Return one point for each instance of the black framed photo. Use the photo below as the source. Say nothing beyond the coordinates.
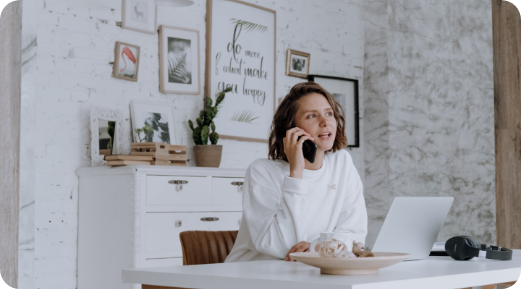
(345, 92)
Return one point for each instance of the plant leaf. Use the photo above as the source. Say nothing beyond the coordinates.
(249, 26)
(246, 116)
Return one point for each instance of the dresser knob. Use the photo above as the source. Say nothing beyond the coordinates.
(178, 223)
(209, 219)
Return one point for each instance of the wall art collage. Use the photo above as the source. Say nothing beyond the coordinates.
(240, 58)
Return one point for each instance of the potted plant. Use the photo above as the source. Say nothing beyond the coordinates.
(207, 155)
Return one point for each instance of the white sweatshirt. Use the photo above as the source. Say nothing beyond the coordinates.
(279, 211)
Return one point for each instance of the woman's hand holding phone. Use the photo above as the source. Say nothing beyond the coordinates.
(293, 150)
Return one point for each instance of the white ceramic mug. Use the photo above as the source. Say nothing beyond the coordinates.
(324, 236)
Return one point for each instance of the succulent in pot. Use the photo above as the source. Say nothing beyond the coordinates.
(207, 155)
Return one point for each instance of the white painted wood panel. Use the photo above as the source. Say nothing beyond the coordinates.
(226, 191)
(10, 93)
(163, 229)
(195, 192)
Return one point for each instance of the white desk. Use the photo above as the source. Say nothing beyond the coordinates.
(435, 272)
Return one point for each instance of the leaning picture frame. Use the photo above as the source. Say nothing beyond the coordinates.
(241, 55)
(113, 115)
(126, 61)
(159, 115)
(297, 63)
(179, 60)
(345, 92)
(139, 15)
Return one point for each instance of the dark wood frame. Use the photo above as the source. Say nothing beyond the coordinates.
(208, 65)
(356, 144)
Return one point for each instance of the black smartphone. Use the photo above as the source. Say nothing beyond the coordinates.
(309, 149)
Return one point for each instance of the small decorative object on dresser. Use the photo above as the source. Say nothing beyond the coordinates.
(158, 115)
(179, 60)
(106, 130)
(207, 155)
(139, 15)
(126, 61)
(297, 63)
(131, 217)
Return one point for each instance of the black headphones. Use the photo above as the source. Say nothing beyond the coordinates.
(465, 248)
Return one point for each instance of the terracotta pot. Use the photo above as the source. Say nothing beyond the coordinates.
(208, 155)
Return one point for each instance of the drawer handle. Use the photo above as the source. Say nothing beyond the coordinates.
(178, 223)
(179, 184)
(239, 186)
(209, 219)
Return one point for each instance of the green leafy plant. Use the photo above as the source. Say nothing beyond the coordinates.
(244, 116)
(249, 26)
(201, 133)
(147, 131)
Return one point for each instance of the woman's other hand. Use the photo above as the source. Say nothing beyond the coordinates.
(293, 151)
(300, 247)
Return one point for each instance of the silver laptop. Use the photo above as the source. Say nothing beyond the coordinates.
(412, 225)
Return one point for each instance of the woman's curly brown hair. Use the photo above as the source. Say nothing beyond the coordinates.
(284, 118)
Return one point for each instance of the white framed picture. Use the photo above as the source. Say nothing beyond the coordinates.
(126, 61)
(179, 60)
(297, 63)
(100, 121)
(139, 15)
(159, 115)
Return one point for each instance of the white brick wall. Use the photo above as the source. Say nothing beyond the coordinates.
(75, 44)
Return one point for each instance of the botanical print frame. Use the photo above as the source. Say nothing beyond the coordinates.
(159, 114)
(241, 54)
(345, 91)
(179, 60)
(139, 15)
(126, 61)
(97, 113)
(297, 63)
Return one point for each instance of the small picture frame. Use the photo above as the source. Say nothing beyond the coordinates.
(179, 60)
(99, 116)
(159, 115)
(139, 15)
(126, 61)
(297, 63)
(345, 92)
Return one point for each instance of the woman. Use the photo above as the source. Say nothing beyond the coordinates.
(288, 201)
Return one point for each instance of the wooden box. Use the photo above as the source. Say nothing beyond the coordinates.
(157, 150)
(128, 160)
(177, 155)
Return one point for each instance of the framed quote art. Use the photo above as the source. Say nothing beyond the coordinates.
(179, 60)
(139, 15)
(240, 54)
(345, 92)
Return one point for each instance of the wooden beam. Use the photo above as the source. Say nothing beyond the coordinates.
(10, 102)
(506, 24)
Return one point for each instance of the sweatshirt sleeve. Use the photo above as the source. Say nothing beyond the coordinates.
(275, 216)
(353, 217)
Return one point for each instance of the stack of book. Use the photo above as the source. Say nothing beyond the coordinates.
(150, 153)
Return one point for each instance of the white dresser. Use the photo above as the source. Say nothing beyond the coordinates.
(131, 217)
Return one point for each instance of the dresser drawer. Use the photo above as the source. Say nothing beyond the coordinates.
(178, 190)
(162, 229)
(227, 191)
